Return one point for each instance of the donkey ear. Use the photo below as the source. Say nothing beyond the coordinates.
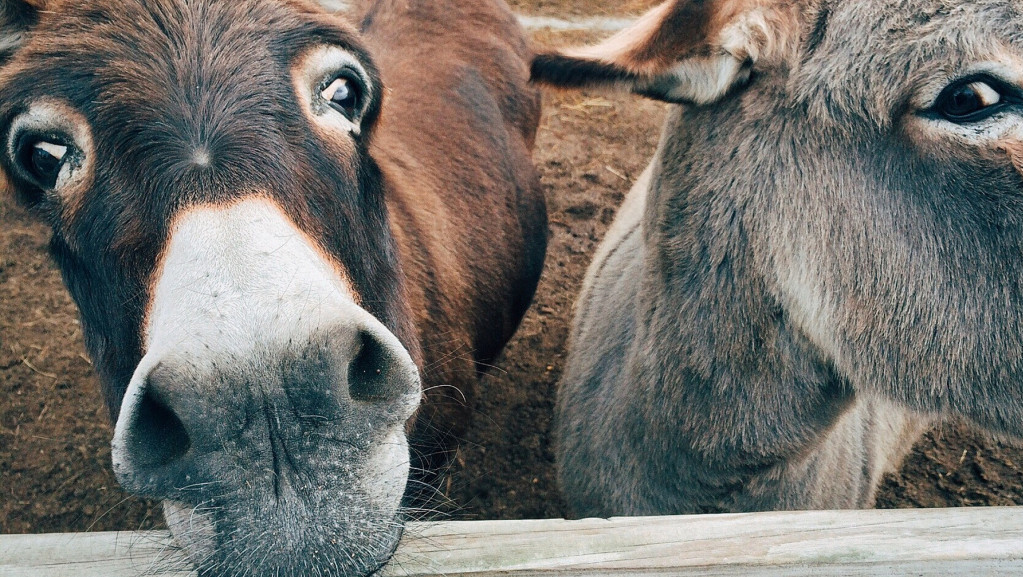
(681, 51)
(17, 17)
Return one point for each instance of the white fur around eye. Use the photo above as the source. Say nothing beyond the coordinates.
(315, 76)
(49, 116)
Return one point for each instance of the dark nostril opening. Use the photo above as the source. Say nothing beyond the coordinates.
(371, 375)
(159, 437)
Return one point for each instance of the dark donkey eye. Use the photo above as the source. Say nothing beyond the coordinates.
(41, 160)
(969, 101)
(344, 95)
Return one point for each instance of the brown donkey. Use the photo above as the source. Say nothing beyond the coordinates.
(294, 246)
(825, 254)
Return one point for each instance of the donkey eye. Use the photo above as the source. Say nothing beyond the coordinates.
(42, 161)
(345, 95)
(969, 101)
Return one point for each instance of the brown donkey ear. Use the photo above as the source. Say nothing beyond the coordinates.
(17, 17)
(681, 51)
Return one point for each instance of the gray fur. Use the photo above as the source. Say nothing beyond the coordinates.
(816, 272)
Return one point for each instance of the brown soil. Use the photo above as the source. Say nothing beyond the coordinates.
(54, 433)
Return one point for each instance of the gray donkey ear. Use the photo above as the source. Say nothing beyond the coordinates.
(17, 17)
(681, 51)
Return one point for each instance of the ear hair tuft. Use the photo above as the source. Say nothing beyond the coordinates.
(694, 51)
(555, 69)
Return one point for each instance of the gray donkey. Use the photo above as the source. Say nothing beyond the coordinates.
(824, 256)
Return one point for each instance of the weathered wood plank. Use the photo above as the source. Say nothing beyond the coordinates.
(975, 542)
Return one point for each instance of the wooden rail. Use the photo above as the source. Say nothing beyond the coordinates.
(936, 542)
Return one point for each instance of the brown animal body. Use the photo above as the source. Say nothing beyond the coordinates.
(294, 246)
(823, 258)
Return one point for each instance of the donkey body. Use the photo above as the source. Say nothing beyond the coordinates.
(822, 258)
(294, 246)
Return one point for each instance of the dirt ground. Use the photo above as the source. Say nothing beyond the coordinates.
(54, 434)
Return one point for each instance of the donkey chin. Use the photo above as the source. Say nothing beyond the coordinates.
(279, 487)
(330, 510)
(329, 531)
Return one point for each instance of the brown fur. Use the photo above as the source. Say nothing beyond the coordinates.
(465, 302)
(432, 214)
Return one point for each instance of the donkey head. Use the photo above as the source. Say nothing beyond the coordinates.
(856, 165)
(216, 215)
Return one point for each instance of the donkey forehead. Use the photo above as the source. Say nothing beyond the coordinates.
(870, 56)
(153, 29)
(908, 24)
(186, 53)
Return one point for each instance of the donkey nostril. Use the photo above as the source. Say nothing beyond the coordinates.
(371, 375)
(159, 437)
